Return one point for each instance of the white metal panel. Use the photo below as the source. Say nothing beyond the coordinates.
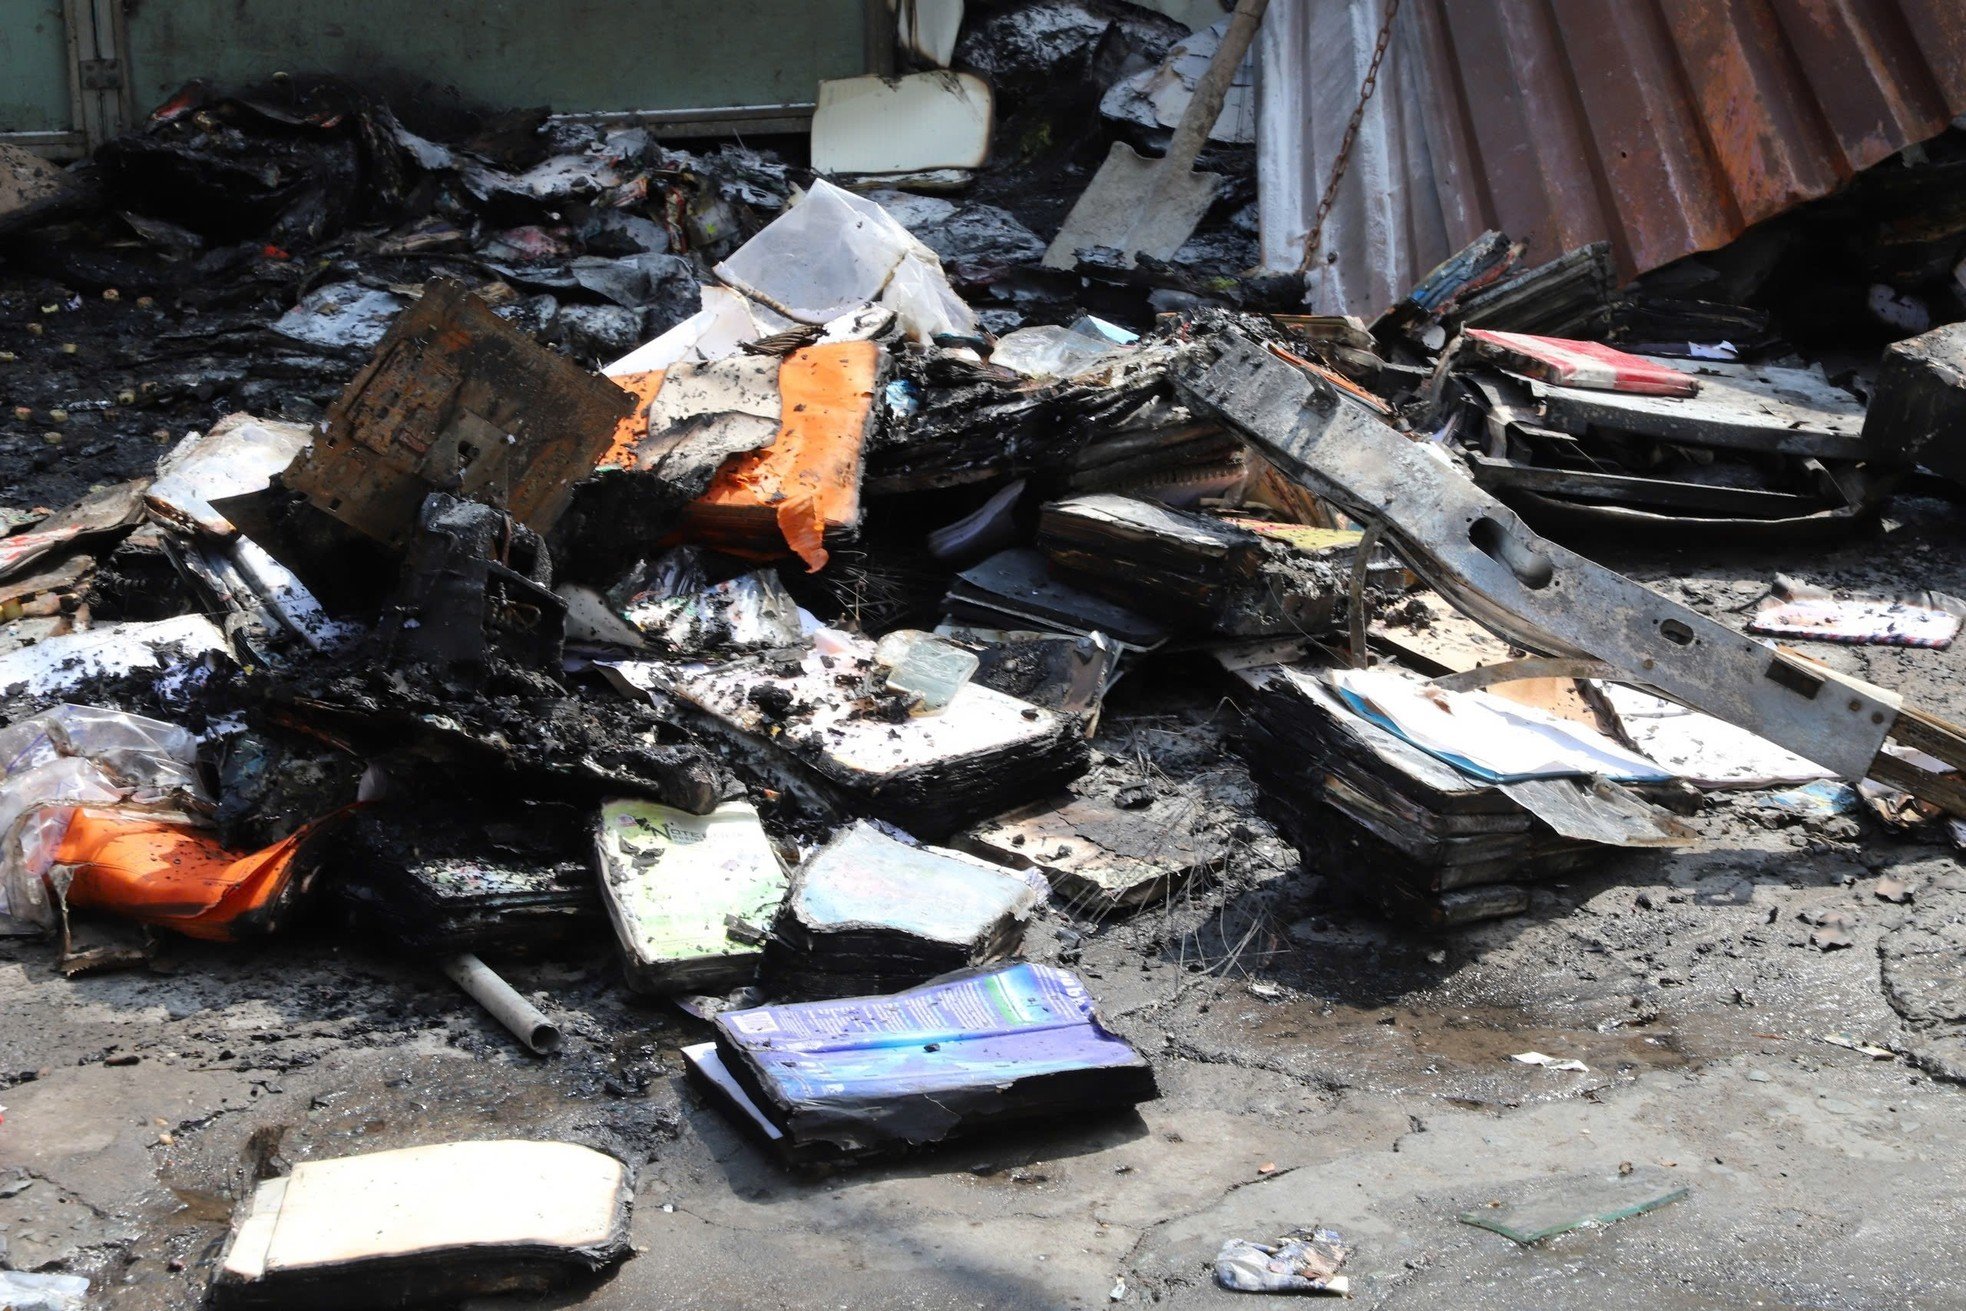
(1386, 226)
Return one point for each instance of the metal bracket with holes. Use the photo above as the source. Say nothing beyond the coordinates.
(1541, 596)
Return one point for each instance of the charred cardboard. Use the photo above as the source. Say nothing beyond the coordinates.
(238, 455)
(426, 1224)
(972, 1051)
(108, 510)
(458, 400)
(691, 896)
(549, 746)
(869, 913)
(868, 126)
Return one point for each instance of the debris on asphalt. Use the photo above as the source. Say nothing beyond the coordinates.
(1303, 1261)
(1848, 1043)
(22, 1290)
(1576, 1204)
(521, 1018)
(783, 618)
(1797, 610)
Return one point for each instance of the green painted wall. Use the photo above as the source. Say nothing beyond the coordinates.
(575, 55)
(33, 67)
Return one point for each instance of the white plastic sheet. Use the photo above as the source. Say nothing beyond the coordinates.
(830, 255)
(240, 454)
(1053, 352)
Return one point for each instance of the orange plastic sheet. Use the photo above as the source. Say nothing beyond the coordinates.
(173, 876)
(629, 432)
(807, 482)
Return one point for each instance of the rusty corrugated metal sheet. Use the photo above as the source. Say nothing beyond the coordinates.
(1663, 126)
(1668, 126)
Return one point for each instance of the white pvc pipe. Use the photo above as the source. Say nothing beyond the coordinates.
(525, 1021)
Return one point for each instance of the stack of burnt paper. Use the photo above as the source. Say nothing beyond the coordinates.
(1573, 432)
(869, 913)
(1191, 571)
(467, 878)
(1439, 805)
(825, 1080)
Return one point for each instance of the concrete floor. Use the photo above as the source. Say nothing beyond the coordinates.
(1315, 1068)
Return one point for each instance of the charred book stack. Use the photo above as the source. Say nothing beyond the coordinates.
(1403, 830)
(463, 878)
(821, 1081)
(870, 914)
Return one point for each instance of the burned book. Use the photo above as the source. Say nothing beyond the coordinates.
(869, 913)
(691, 896)
(1190, 571)
(1103, 858)
(1162, 452)
(1585, 456)
(801, 491)
(1422, 836)
(1568, 296)
(967, 423)
(1744, 407)
(824, 1080)
(1018, 588)
(456, 877)
(823, 726)
(438, 1223)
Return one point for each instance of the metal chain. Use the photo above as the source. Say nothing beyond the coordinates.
(1371, 84)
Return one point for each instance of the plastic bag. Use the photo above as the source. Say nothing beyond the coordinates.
(751, 613)
(1306, 1261)
(833, 252)
(1052, 352)
(75, 756)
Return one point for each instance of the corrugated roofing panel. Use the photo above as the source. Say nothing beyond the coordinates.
(1663, 126)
